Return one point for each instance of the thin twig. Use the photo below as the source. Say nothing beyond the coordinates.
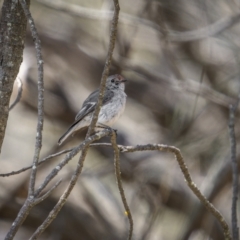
(46, 159)
(119, 183)
(44, 196)
(38, 144)
(68, 157)
(39, 163)
(32, 195)
(231, 126)
(52, 215)
(19, 94)
(30, 202)
(187, 176)
(106, 69)
(186, 173)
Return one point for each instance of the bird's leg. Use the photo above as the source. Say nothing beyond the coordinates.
(101, 125)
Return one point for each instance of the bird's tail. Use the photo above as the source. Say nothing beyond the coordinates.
(67, 134)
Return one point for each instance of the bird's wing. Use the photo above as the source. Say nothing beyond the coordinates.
(89, 104)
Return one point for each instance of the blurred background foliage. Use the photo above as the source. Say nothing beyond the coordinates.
(182, 62)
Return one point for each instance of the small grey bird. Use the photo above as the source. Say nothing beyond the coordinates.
(113, 105)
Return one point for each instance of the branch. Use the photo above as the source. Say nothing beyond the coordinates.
(106, 67)
(186, 174)
(69, 156)
(39, 163)
(232, 111)
(12, 36)
(52, 215)
(30, 201)
(119, 183)
(33, 195)
(38, 144)
(19, 94)
(47, 194)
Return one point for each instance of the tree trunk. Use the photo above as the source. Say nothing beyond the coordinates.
(12, 34)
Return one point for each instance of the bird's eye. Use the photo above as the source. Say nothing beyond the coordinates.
(112, 80)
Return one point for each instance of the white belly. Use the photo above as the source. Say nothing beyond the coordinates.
(110, 113)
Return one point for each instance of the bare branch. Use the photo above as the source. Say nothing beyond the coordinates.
(84, 147)
(19, 94)
(69, 156)
(22, 214)
(187, 176)
(39, 163)
(106, 67)
(43, 197)
(52, 215)
(38, 144)
(30, 202)
(119, 183)
(231, 126)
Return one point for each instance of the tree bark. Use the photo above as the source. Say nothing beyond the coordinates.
(12, 34)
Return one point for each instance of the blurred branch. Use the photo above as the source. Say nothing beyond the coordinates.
(188, 85)
(211, 30)
(231, 125)
(119, 183)
(197, 94)
(79, 11)
(19, 94)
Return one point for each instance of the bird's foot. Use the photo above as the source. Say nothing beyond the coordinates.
(100, 125)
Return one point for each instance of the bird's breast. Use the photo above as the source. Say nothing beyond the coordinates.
(113, 109)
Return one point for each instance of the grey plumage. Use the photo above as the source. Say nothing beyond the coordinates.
(112, 107)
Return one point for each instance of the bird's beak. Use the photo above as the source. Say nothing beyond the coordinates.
(124, 80)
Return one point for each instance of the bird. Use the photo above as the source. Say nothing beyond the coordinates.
(113, 105)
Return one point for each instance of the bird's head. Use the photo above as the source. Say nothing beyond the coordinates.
(116, 81)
